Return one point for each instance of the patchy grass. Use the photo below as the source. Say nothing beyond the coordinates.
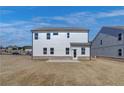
(22, 70)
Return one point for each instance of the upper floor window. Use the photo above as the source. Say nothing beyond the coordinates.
(82, 51)
(100, 42)
(68, 35)
(44, 50)
(56, 33)
(67, 51)
(36, 36)
(51, 50)
(119, 52)
(120, 36)
(48, 35)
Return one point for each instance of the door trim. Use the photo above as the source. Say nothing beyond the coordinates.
(74, 53)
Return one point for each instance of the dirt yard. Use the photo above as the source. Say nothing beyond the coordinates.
(22, 70)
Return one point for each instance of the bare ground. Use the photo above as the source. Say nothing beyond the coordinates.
(22, 70)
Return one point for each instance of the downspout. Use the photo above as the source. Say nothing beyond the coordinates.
(90, 50)
(32, 44)
(89, 45)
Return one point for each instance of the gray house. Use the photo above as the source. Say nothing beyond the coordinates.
(109, 42)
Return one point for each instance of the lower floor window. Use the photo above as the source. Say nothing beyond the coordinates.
(119, 52)
(67, 51)
(51, 50)
(44, 50)
(82, 51)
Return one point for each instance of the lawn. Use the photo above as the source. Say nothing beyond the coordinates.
(22, 70)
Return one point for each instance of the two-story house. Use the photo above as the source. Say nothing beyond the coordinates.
(60, 43)
(109, 42)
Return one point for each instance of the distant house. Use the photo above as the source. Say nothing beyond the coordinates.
(109, 42)
(2, 50)
(27, 49)
(10, 49)
(14, 50)
(67, 43)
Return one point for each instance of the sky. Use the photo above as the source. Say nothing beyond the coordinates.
(16, 22)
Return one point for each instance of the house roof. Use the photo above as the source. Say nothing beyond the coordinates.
(12, 46)
(27, 47)
(116, 27)
(80, 44)
(62, 29)
(111, 27)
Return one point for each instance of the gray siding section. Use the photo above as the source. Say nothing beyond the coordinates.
(108, 51)
(110, 43)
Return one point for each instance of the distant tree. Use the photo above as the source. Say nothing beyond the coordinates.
(19, 48)
(1, 47)
(23, 48)
(13, 48)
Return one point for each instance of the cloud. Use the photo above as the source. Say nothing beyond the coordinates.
(15, 32)
(19, 31)
(74, 19)
(3, 12)
(111, 13)
(87, 17)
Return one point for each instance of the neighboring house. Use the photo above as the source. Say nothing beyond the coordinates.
(27, 49)
(14, 50)
(18, 50)
(2, 50)
(109, 42)
(59, 43)
(9, 49)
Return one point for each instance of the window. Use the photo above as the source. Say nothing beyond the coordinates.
(68, 35)
(100, 42)
(67, 51)
(14, 48)
(119, 36)
(119, 52)
(44, 50)
(48, 35)
(36, 36)
(51, 50)
(82, 51)
(55, 33)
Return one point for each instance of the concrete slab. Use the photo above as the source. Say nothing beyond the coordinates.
(63, 60)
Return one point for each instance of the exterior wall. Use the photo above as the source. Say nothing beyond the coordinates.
(109, 37)
(9, 50)
(87, 51)
(110, 43)
(52, 57)
(108, 51)
(59, 43)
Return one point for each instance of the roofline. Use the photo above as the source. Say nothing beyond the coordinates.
(97, 34)
(114, 27)
(88, 44)
(110, 27)
(60, 29)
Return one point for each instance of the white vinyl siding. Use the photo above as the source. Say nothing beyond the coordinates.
(59, 43)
